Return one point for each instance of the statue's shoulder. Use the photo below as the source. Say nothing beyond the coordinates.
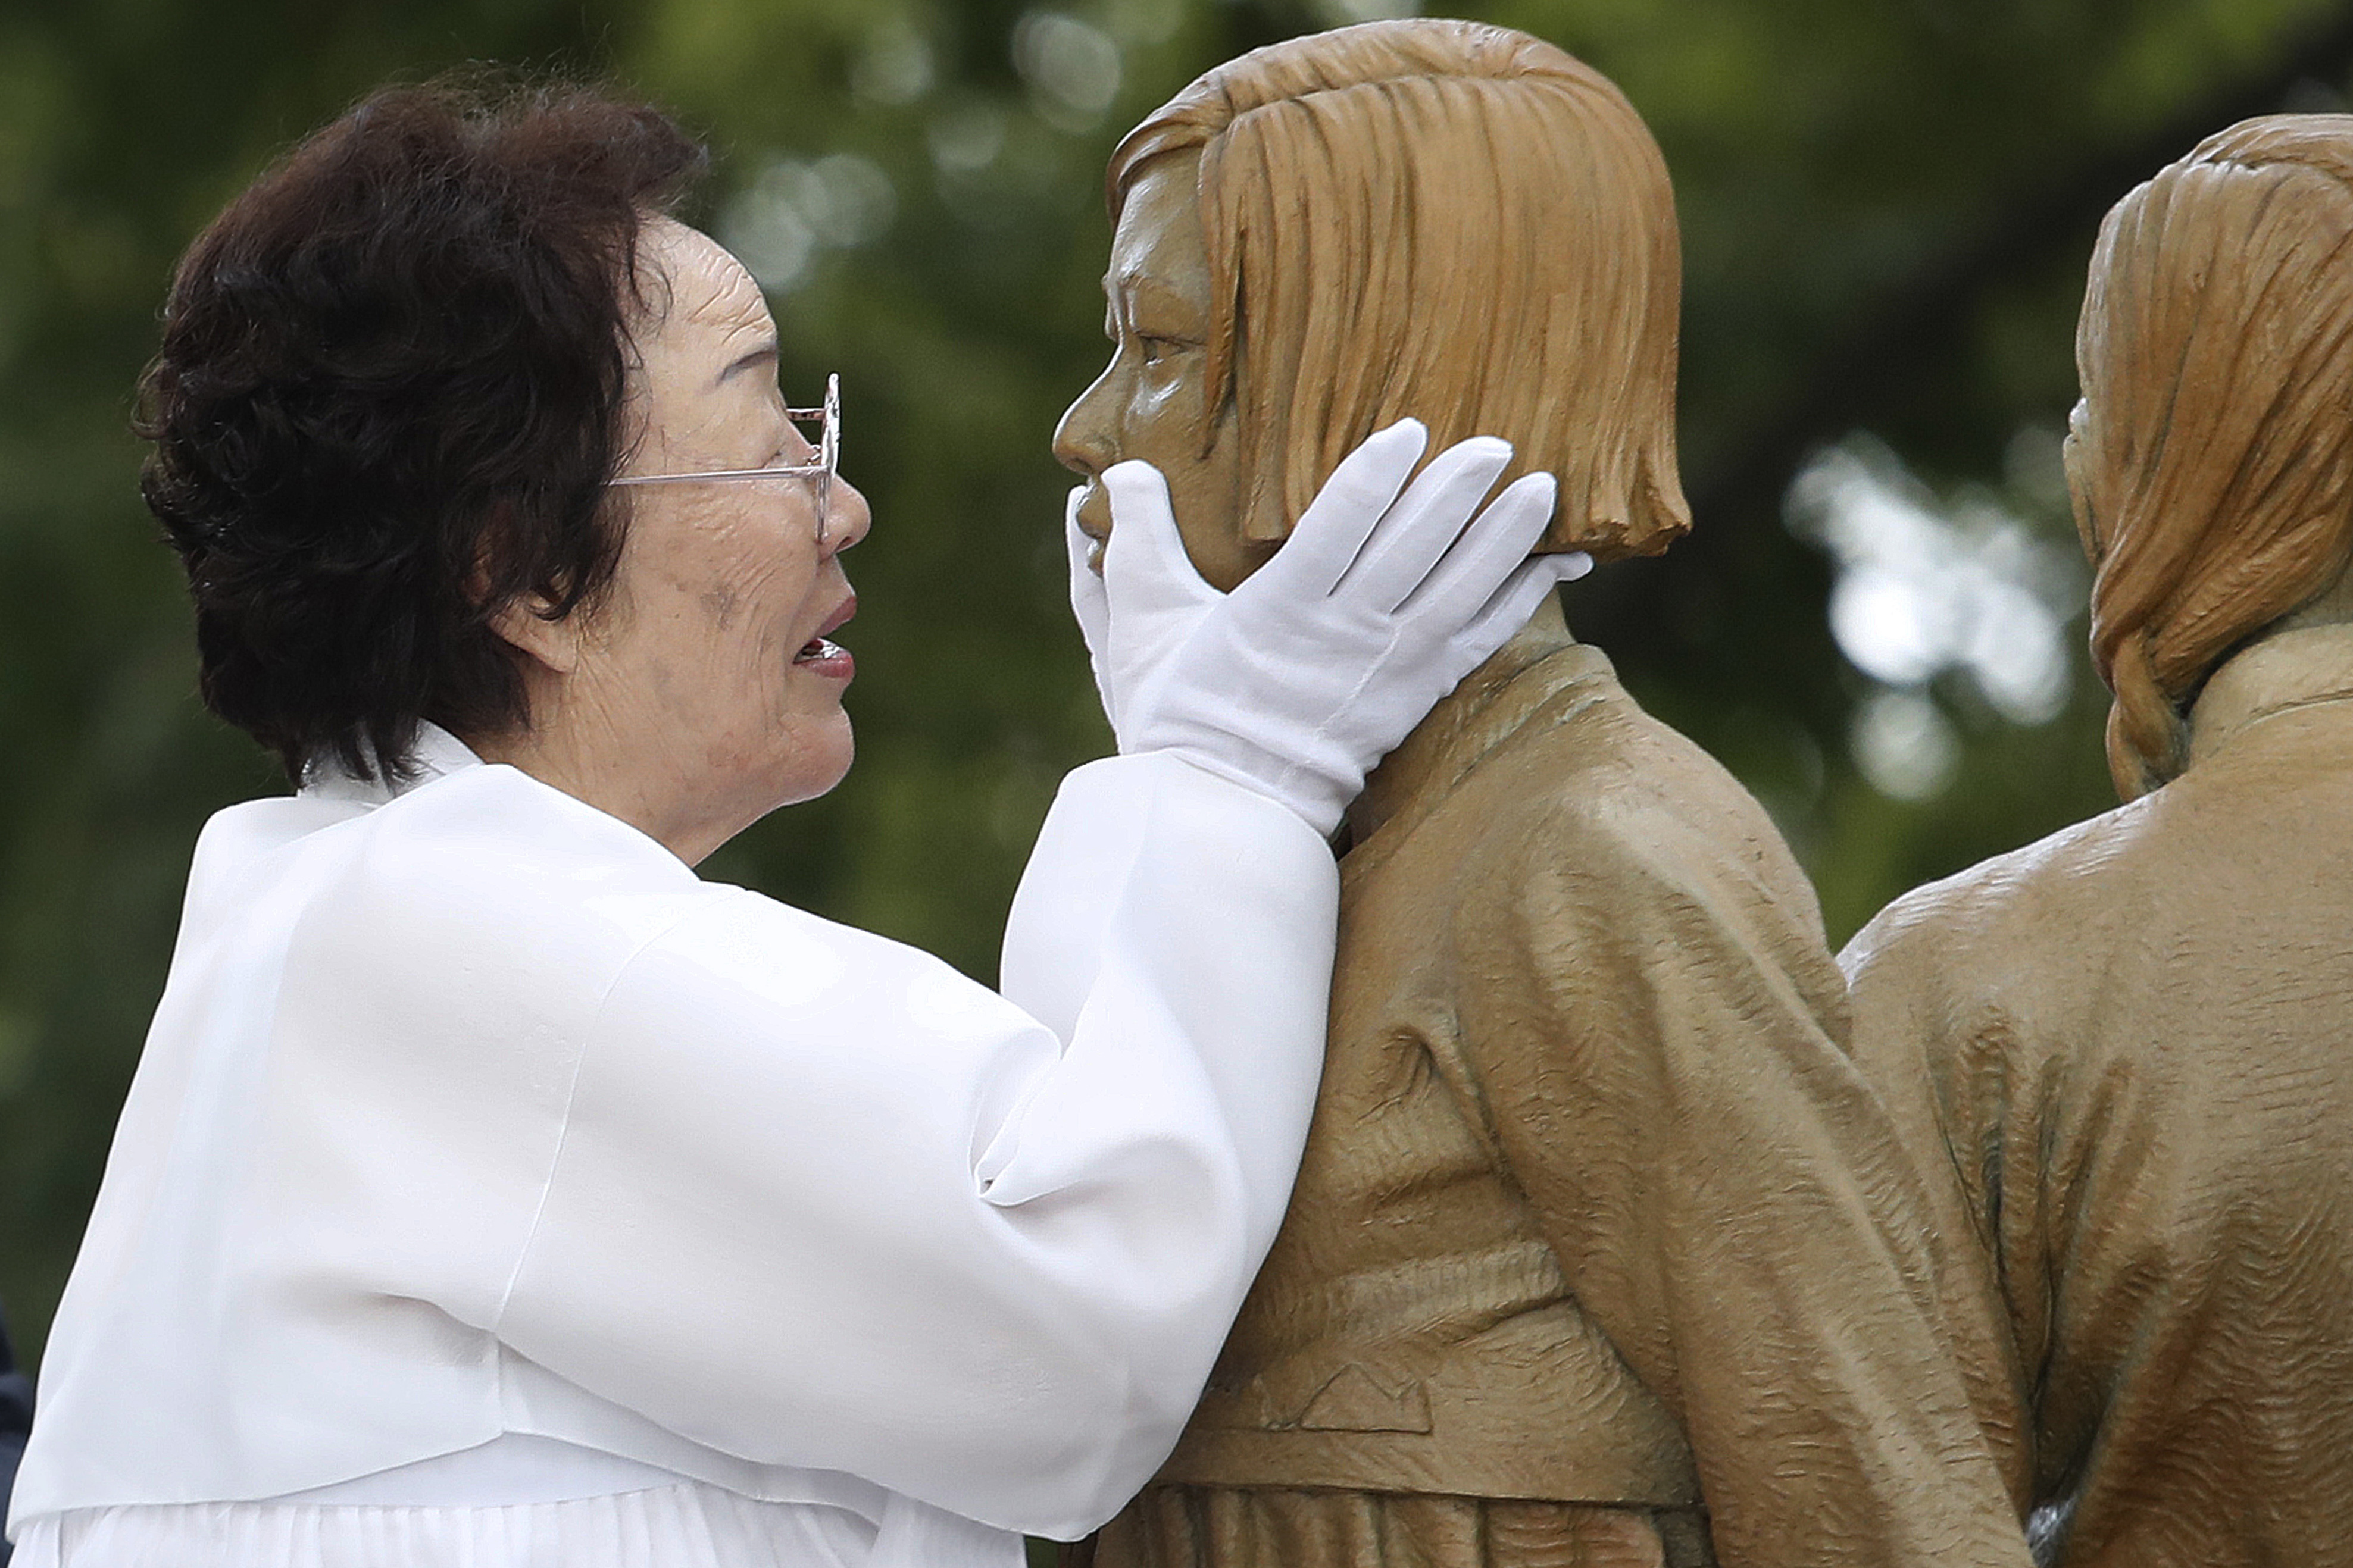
(1596, 827)
(2077, 879)
(1607, 857)
(1603, 783)
(1989, 975)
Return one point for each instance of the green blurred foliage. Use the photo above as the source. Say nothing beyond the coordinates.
(1887, 203)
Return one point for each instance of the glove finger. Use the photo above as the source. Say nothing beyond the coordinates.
(1425, 522)
(1508, 609)
(1089, 605)
(1334, 528)
(1147, 572)
(1089, 601)
(1489, 550)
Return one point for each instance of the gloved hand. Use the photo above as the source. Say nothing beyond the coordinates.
(1158, 609)
(1305, 675)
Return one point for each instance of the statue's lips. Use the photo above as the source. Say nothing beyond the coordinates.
(1094, 521)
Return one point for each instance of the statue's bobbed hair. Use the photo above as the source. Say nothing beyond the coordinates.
(1442, 219)
(2212, 457)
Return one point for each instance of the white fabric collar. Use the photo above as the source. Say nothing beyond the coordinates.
(435, 754)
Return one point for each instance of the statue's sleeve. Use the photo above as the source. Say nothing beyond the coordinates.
(1655, 1034)
(2127, 1253)
(1953, 1078)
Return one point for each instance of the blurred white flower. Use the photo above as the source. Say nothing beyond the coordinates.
(769, 235)
(795, 208)
(849, 200)
(895, 66)
(1924, 588)
(1905, 744)
(966, 137)
(1072, 68)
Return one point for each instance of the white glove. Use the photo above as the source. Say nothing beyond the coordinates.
(1305, 675)
(1159, 607)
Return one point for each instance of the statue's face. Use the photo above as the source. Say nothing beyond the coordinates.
(1151, 401)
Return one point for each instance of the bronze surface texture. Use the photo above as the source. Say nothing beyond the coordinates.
(1596, 1219)
(1602, 1251)
(2121, 1054)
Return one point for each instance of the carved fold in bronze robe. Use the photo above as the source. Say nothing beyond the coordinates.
(2126, 1056)
(1601, 1247)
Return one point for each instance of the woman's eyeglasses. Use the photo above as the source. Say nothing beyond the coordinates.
(828, 420)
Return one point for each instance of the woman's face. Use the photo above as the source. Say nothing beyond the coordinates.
(1151, 402)
(705, 669)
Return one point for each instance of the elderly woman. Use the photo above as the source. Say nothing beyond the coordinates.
(495, 1190)
(2121, 1053)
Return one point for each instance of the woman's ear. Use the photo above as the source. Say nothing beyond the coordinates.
(524, 624)
(524, 621)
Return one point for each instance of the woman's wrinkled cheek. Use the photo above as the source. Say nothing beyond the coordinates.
(720, 604)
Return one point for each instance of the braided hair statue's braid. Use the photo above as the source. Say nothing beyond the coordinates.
(2212, 458)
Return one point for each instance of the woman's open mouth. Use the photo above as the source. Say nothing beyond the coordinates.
(818, 649)
(824, 654)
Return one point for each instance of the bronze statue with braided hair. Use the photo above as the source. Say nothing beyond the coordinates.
(1602, 1251)
(2122, 1052)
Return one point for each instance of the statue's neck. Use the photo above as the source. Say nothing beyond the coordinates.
(2300, 667)
(2305, 657)
(1406, 772)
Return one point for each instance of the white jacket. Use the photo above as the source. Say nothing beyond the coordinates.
(472, 1111)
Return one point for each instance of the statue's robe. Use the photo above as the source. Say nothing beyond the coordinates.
(1602, 1251)
(2125, 1054)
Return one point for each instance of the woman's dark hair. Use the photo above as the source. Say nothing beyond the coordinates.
(388, 402)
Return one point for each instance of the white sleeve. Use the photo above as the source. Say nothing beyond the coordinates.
(822, 1202)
